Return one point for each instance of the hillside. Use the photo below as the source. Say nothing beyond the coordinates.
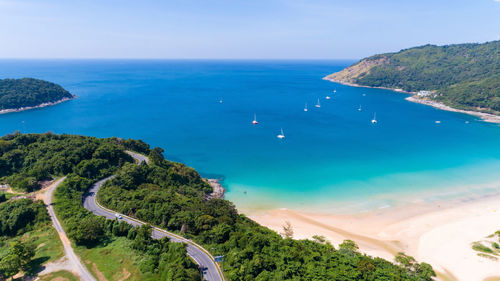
(464, 76)
(173, 196)
(28, 92)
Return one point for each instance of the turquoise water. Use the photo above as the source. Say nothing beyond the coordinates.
(330, 156)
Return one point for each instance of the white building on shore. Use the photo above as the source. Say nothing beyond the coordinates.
(424, 93)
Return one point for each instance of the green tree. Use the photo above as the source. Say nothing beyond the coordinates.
(18, 258)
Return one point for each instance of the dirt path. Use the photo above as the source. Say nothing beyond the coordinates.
(70, 261)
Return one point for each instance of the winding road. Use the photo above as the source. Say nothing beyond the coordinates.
(202, 257)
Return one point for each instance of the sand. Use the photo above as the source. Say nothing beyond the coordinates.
(441, 236)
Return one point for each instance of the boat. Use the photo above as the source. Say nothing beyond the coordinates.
(318, 105)
(281, 135)
(437, 122)
(220, 101)
(374, 120)
(334, 91)
(359, 109)
(255, 119)
(305, 108)
(327, 97)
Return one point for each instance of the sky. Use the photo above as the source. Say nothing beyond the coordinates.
(238, 29)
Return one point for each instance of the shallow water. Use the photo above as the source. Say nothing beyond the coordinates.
(332, 157)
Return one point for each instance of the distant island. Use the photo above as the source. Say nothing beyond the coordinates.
(28, 93)
(462, 77)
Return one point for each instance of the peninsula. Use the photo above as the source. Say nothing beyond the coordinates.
(29, 93)
(461, 77)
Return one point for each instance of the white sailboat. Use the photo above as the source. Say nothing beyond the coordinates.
(318, 105)
(374, 120)
(255, 119)
(359, 109)
(281, 135)
(305, 108)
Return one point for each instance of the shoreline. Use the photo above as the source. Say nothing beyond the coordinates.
(486, 117)
(46, 104)
(218, 190)
(439, 234)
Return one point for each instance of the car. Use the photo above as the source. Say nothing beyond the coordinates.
(118, 216)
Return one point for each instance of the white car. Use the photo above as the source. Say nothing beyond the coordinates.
(118, 216)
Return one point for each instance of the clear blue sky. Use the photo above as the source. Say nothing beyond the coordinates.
(335, 29)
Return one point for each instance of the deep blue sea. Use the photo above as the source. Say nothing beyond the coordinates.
(331, 157)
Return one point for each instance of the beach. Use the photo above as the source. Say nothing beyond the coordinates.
(439, 234)
(487, 117)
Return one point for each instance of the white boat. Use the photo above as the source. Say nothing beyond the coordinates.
(334, 91)
(374, 120)
(220, 101)
(327, 97)
(305, 108)
(281, 135)
(318, 105)
(438, 122)
(359, 109)
(255, 119)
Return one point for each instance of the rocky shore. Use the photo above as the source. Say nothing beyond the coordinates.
(217, 189)
(10, 110)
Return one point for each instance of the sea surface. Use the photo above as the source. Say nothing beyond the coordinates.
(332, 158)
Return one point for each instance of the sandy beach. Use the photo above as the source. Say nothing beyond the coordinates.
(439, 234)
(487, 117)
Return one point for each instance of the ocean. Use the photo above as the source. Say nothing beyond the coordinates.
(332, 158)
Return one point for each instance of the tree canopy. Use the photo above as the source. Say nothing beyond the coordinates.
(29, 92)
(463, 75)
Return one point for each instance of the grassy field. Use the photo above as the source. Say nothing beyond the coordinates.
(62, 275)
(49, 247)
(115, 261)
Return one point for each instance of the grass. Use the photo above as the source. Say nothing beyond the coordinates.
(62, 275)
(478, 246)
(114, 261)
(487, 256)
(49, 247)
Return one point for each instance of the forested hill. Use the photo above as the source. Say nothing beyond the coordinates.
(465, 76)
(29, 92)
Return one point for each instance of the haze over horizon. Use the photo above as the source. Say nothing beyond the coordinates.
(222, 29)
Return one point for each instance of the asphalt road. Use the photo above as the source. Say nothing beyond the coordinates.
(68, 250)
(201, 256)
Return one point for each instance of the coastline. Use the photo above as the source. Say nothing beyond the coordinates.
(426, 231)
(11, 110)
(218, 190)
(487, 117)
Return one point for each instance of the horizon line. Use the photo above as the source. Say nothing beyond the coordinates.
(213, 59)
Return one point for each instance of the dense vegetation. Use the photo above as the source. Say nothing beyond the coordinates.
(25, 160)
(84, 160)
(28, 92)
(464, 75)
(173, 196)
(16, 218)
